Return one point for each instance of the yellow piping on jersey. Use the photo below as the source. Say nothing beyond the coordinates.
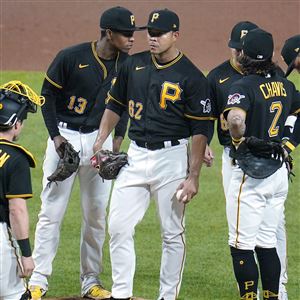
(200, 118)
(98, 59)
(158, 66)
(53, 83)
(238, 212)
(117, 60)
(233, 107)
(32, 161)
(235, 67)
(296, 112)
(18, 196)
(110, 97)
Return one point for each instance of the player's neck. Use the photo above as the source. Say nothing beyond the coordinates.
(105, 50)
(235, 64)
(167, 56)
(7, 135)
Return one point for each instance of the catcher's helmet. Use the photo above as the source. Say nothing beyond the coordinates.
(16, 100)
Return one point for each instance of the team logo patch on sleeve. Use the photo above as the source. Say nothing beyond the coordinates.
(206, 105)
(235, 99)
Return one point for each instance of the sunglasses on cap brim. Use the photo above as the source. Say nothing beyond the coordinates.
(156, 33)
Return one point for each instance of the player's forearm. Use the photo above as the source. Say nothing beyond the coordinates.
(236, 123)
(197, 154)
(108, 123)
(19, 219)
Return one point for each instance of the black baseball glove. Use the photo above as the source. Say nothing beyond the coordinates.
(109, 163)
(258, 158)
(67, 165)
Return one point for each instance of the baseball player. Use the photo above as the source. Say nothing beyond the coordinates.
(221, 78)
(168, 101)
(75, 89)
(258, 105)
(291, 55)
(16, 100)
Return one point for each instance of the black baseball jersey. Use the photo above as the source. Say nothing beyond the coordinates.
(76, 86)
(164, 101)
(15, 163)
(220, 80)
(267, 101)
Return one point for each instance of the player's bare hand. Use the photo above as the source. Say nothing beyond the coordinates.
(117, 141)
(27, 266)
(58, 140)
(97, 146)
(189, 189)
(208, 158)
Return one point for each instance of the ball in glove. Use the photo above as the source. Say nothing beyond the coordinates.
(109, 163)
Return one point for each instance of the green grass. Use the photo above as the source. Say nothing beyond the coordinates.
(208, 272)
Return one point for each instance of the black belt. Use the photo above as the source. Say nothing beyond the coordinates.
(156, 146)
(77, 127)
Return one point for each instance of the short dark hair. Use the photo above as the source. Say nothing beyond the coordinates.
(5, 129)
(260, 67)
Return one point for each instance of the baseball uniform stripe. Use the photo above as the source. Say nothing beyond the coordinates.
(30, 157)
(53, 83)
(19, 196)
(184, 254)
(238, 212)
(158, 66)
(200, 118)
(98, 59)
(110, 97)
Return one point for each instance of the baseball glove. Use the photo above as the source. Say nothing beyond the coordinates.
(109, 163)
(67, 165)
(258, 158)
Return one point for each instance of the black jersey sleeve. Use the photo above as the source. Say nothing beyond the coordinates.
(117, 96)
(238, 98)
(295, 108)
(50, 92)
(121, 127)
(19, 181)
(198, 105)
(214, 108)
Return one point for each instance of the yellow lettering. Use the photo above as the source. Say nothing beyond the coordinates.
(282, 89)
(248, 284)
(132, 20)
(155, 16)
(262, 86)
(170, 92)
(275, 90)
(3, 158)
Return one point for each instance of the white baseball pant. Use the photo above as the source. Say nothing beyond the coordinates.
(281, 231)
(149, 174)
(254, 208)
(55, 197)
(11, 285)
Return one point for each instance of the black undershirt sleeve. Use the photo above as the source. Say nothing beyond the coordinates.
(50, 93)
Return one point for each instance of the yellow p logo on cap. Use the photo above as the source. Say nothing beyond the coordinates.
(155, 16)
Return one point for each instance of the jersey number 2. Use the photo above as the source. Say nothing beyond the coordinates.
(276, 107)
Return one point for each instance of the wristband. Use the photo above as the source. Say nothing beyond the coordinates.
(288, 146)
(25, 247)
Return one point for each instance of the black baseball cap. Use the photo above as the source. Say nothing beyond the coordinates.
(290, 51)
(258, 44)
(163, 20)
(238, 31)
(118, 18)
